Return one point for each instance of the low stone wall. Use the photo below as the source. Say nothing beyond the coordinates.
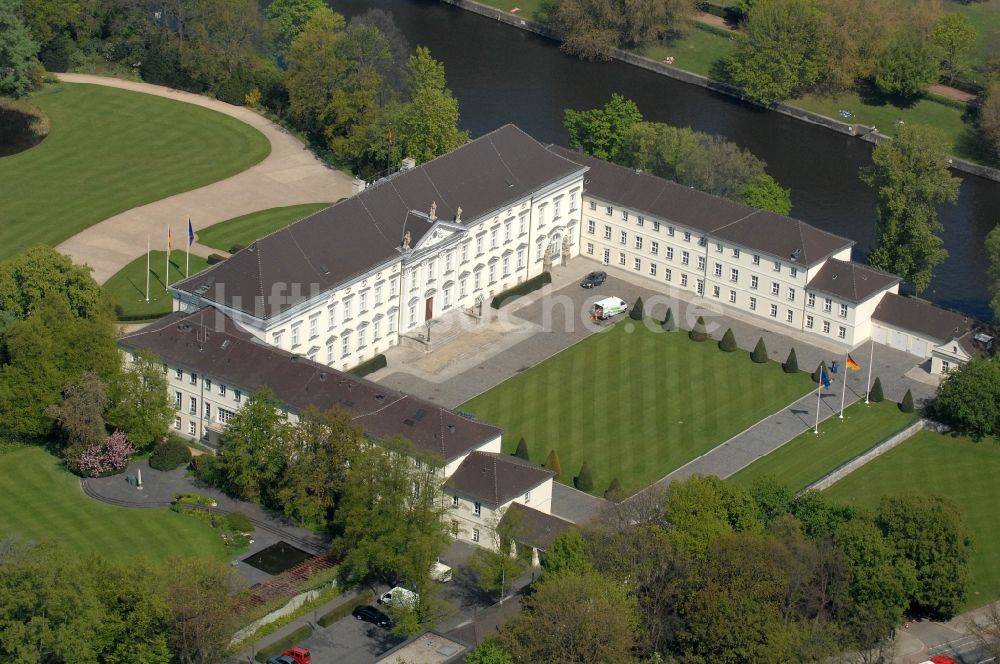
(863, 132)
(875, 452)
(293, 605)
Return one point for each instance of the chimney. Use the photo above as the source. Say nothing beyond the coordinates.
(434, 210)
(357, 186)
(458, 215)
(408, 164)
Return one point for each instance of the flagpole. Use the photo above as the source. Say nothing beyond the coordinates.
(871, 360)
(819, 388)
(147, 268)
(167, 277)
(187, 261)
(843, 389)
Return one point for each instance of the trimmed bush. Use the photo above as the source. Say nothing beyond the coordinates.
(906, 405)
(614, 491)
(698, 332)
(170, 454)
(876, 393)
(344, 610)
(636, 312)
(668, 323)
(236, 247)
(370, 366)
(287, 641)
(584, 481)
(239, 522)
(522, 450)
(818, 374)
(728, 342)
(215, 258)
(521, 290)
(552, 463)
(759, 354)
(791, 365)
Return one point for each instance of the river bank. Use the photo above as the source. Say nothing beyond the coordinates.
(866, 133)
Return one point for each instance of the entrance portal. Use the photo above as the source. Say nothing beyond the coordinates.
(429, 309)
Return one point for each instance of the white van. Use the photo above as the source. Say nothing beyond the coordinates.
(399, 596)
(440, 572)
(608, 307)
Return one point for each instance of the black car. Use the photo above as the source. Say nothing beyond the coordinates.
(594, 279)
(372, 615)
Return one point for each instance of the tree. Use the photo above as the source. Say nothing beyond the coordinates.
(600, 132)
(202, 598)
(817, 375)
(858, 31)
(782, 51)
(315, 68)
(989, 115)
(698, 332)
(522, 450)
(287, 18)
(428, 124)
(318, 450)
(80, 414)
(574, 617)
(251, 459)
(138, 401)
(955, 37)
(42, 273)
(791, 364)
(668, 323)
(636, 312)
(221, 38)
(763, 191)
(568, 553)
(819, 515)
(399, 46)
(876, 392)
(906, 405)
(928, 530)
(728, 342)
(489, 652)
(992, 249)
(494, 566)
(908, 66)
(702, 508)
(110, 456)
(584, 481)
(759, 354)
(614, 491)
(18, 53)
(552, 463)
(592, 29)
(773, 498)
(969, 398)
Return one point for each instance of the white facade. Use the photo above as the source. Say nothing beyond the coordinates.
(473, 521)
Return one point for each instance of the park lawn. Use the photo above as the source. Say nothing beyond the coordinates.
(635, 403)
(699, 50)
(42, 501)
(955, 467)
(110, 150)
(809, 457)
(244, 230)
(985, 17)
(127, 287)
(525, 8)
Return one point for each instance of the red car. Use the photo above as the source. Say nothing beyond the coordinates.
(300, 655)
(940, 659)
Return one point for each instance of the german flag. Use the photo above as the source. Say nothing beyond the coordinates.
(852, 365)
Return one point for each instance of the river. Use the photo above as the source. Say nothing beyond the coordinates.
(500, 74)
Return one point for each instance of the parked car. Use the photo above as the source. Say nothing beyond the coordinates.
(296, 655)
(280, 659)
(594, 279)
(608, 307)
(372, 615)
(440, 572)
(400, 597)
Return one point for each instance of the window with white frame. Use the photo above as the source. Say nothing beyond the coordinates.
(607, 256)
(654, 248)
(670, 253)
(734, 275)
(329, 352)
(363, 298)
(392, 322)
(609, 210)
(192, 429)
(753, 304)
(638, 242)
(208, 384)
(361, 338)
(477, 279)
(520, 258)
(718, 269)
(775, 288)
(541, 215)
(508, 231)
(827, 305)
(777, 266)
(590, 248)
(295, 335)
(225, 415)
(791, 295)
(506, 266)
(479, 245)
(702, 241)
(656, 226)
(277, 339)
(331, 315)
(843, 311)
(222, 390)
(465, 252)
(684, 279)
(447, 297)
(701, 287)
(572, 199)
(194, 378)
(652, 269)
(810, 321)
(591, 226)
(639, 221)
(637, 265)
(826, 327)
(789, 315)
(756, 259)
(624, 215)
(314, 326)
(732, 296)
(716, 291)
(349, 302)
(237, 396)
(623, 238)
(539, 250)
(178, 400)
(447, 268)
(685, 258)
(621, 258)
(945, 368)
(494, 238)
(607, 232)
(718, 247)
(593, 205)
(345, 346)
(687, 236)
(208, 410)
(477, 508)
(193, 409)
(556, 213)
(736, 252)
(794, 271)
(522, 224)
(670, 231)
(392, 287)
(475, 534)
(811, 300)
(177, 422)
(701, 263)
(668, 274)
(842, 332)
(774, 311)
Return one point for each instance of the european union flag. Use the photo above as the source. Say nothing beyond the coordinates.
(823, 378)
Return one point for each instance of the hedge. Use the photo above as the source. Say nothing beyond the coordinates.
(121, 316)
(239, 522)
(520, 290)
(215, 258)
(370, 366)
(291, 639)
(344, 610)
(236, 247)
(170, 454)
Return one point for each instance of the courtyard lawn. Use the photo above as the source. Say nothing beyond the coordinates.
(244, 230)
(42, 501)
(127, 287)
(110, 150)
(635, 403)
(956, 467)
(809, 457)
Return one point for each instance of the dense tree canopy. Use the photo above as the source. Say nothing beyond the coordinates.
(18, 53)
(251, 458)
(908, 66)
(42, 273)
(600, 132)
(592, 29)
(969, 398)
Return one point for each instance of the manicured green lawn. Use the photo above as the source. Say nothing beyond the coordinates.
(42, 501)
(111, 150)
(244, 230)
(128, 286)
(526, 8)
(808, 457)
(698, 51)
(958, 468)
(635, 405)
(985, 16)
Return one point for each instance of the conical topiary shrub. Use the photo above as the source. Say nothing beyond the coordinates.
(759, 354)
(552, 463)
(698, 332)
(876, 393)
(584, 481)
(614, 491)
(728, 342)
(791, 365)
(816, 375)
(636, 312)
(668, 323)
(906, 405)
(522, 450)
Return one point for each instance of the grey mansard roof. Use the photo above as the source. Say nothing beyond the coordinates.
(851, 281)
(357, 234)
(495, 479)
(782, 237)
(209, 343)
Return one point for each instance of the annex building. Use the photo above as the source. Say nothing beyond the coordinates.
(297, 308)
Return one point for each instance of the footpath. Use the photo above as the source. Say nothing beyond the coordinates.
(289, 175)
